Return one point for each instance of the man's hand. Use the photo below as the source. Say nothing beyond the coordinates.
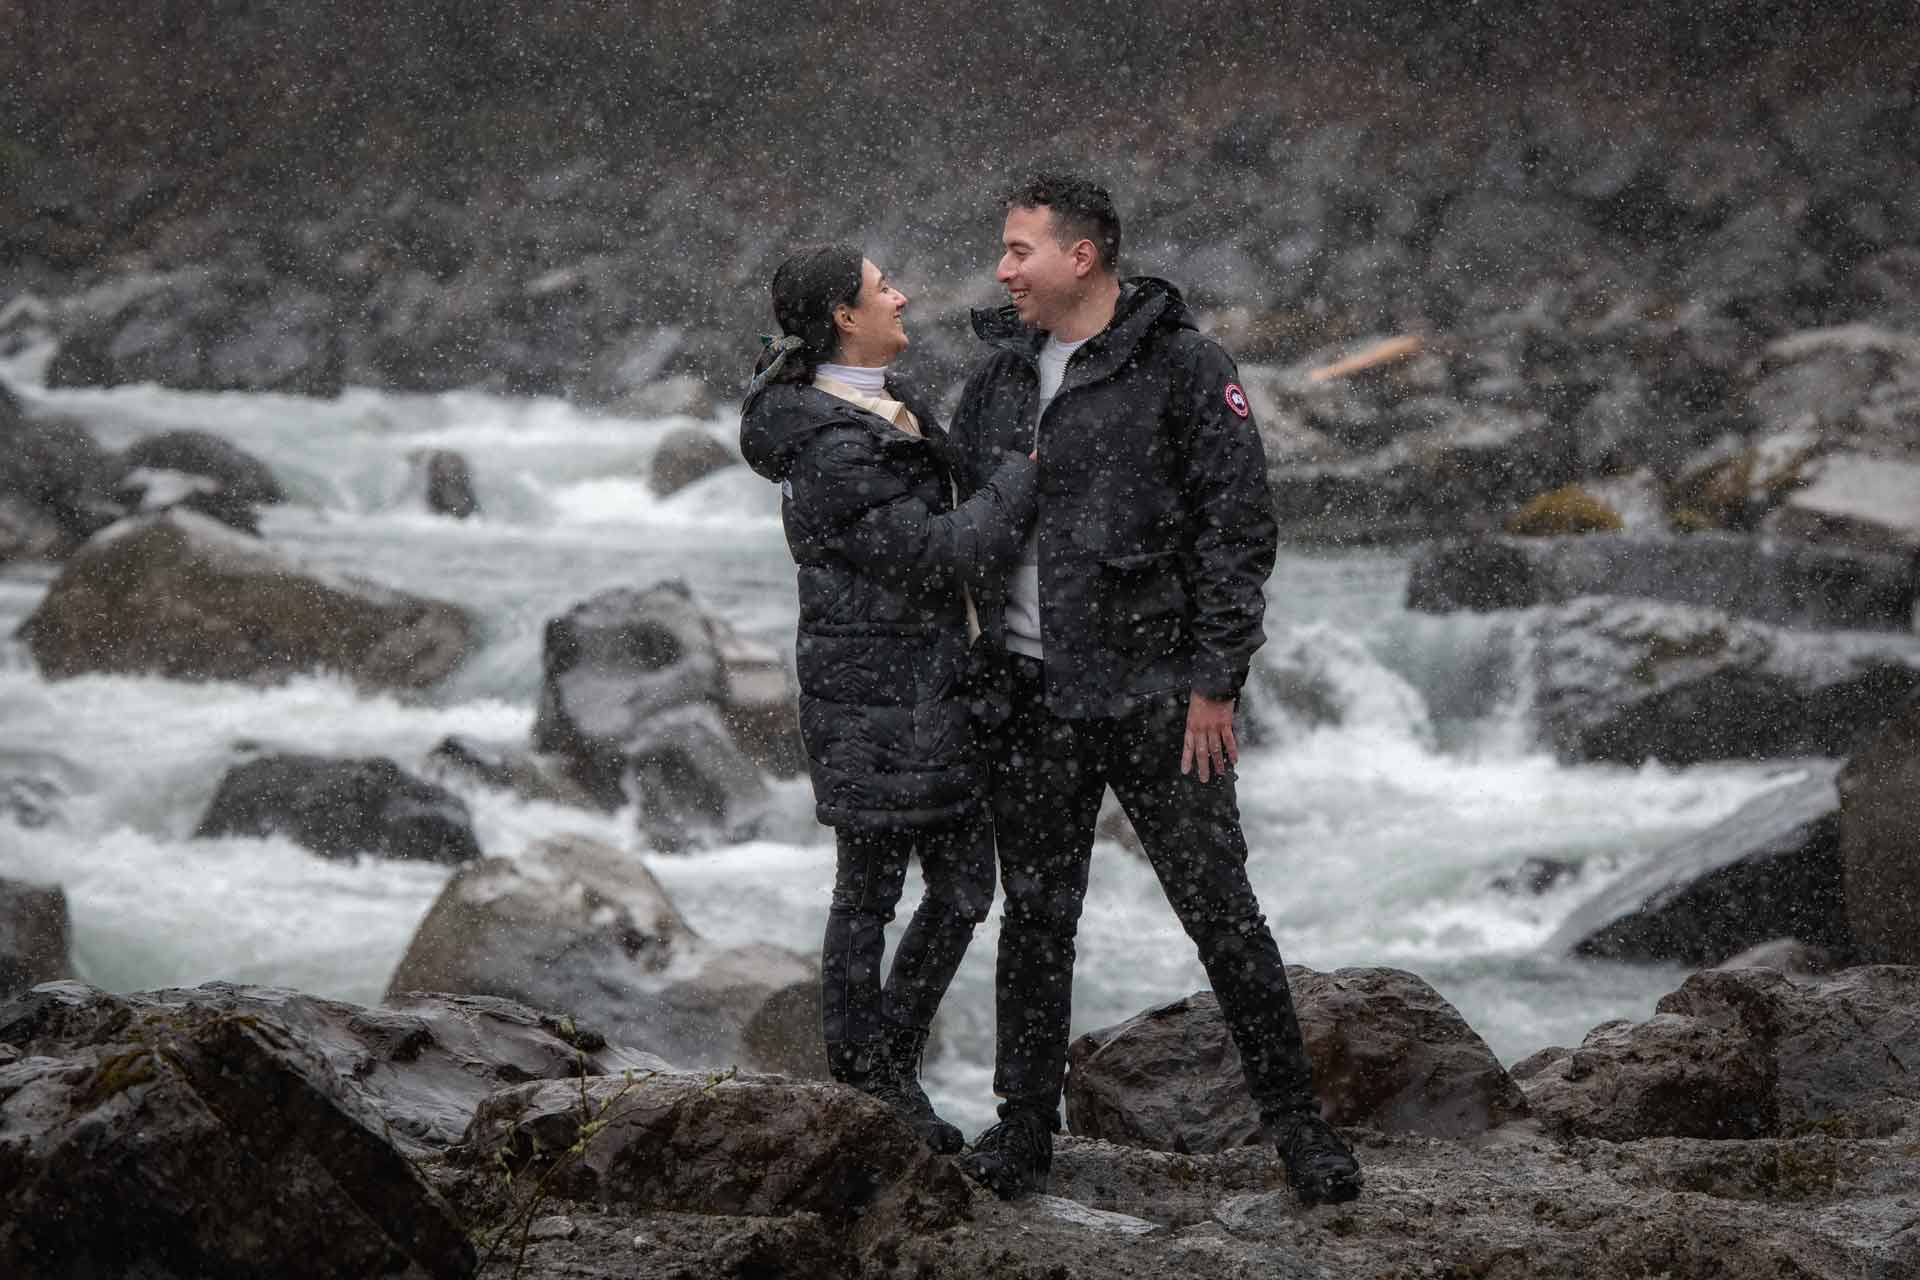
(1210, 739)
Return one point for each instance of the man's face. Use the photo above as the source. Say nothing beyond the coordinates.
(1042, 278)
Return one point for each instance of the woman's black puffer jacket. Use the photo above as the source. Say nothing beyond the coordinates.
(882, 552)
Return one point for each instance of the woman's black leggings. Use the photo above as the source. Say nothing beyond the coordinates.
(856, 1011)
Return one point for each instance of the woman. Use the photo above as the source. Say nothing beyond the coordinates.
(885, 550)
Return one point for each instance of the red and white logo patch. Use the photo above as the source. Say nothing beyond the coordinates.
(1237, 399)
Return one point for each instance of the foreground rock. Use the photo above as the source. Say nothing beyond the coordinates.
(1387, 1051)
(1745, 1053)
(167, 1139)
(637, 692)
(584, 929)
(342, 808)
(1880, 841)
(34, 936)
(1781, 581)
(1629, 681)
(1770, 870)
(182, 596)
(743, 1146)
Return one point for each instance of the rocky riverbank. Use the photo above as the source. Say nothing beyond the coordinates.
(1756, 1126)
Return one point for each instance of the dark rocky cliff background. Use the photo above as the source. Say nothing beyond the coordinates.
(567, 197)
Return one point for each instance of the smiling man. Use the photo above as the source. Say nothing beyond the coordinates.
(1126, 633)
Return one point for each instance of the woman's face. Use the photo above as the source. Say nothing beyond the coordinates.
(871, 332)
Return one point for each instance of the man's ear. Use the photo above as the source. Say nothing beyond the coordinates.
(1085, 258)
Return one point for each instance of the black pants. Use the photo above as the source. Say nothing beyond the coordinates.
(1048, 777)
(856, 1011)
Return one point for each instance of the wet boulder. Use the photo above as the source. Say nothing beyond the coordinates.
(52, 494)
(734, 1145)
(182, 596)
(686, 454)
(506, 767)
(342, 808)
(1770, 870)
(229, 468)
(634, 687)
(191, 1140)
(1746, 1053)
(1856, 499)
(1629, 681)
(449, 483)
(1828, 378)
(1880, 841)
(1388, 1052)
(1783, 581)
(1451, 467)
(237, 329)
(579, 928)
(34, 936)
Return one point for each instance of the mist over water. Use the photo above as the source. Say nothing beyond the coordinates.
(1379, 805)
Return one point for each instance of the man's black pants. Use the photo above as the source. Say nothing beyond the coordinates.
(870, 872)
(1048, 778)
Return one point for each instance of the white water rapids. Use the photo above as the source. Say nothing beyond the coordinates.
(1374, 839)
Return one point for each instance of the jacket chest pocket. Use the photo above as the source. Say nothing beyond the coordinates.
(1140, 604)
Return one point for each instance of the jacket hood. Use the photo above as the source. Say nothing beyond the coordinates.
(783, 419)
(1145, 303)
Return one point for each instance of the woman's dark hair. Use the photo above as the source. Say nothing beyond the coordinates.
(806, 289)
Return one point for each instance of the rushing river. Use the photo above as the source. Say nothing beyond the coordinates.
(1375, 839)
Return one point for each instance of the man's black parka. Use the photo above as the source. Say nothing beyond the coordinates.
(882, 550)
(1156, 524)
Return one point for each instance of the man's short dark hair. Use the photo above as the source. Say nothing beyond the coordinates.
(1081, 208)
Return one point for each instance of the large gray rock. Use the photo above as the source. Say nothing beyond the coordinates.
(1388, 1052)
(228, 467)
(1855, 499)
(634, 687)
(1781, 581)
(1827, 377)
(34, 936)
(737, 1145)
(1746, 1053)
(1628, 681)
(182, 596)
(1880, 841)
(342, 808)
(685, 455)
(1770, 870)
(584, 929)
(53, 484)
(181, 1138)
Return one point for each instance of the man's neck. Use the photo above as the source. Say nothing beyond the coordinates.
(1091, 314)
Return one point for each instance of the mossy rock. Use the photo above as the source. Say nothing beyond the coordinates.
(1569, 509)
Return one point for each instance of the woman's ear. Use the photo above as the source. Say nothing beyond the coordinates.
(843, 321)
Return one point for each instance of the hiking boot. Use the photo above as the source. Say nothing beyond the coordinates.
(1320, 1167)
(1013, 1158)
(872, 1068)
(904, 1048)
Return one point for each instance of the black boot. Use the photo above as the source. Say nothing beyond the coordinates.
(1320, 1167)
(872, 1067)
(905, 1046)
(1014, 1157)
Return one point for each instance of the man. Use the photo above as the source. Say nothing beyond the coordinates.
(1127, 631)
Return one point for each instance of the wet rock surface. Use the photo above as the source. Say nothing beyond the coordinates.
(1772, 869)
(584, 929)
(34, 936)
(1783, 582)
(179, 595)
(1880, 841)
(1629, 681)
(1388, 1053)
(635, 689)
(445, 1132)
(342, 808)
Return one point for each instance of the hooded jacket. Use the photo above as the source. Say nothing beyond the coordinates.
(1156, 524)
(881, 551)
